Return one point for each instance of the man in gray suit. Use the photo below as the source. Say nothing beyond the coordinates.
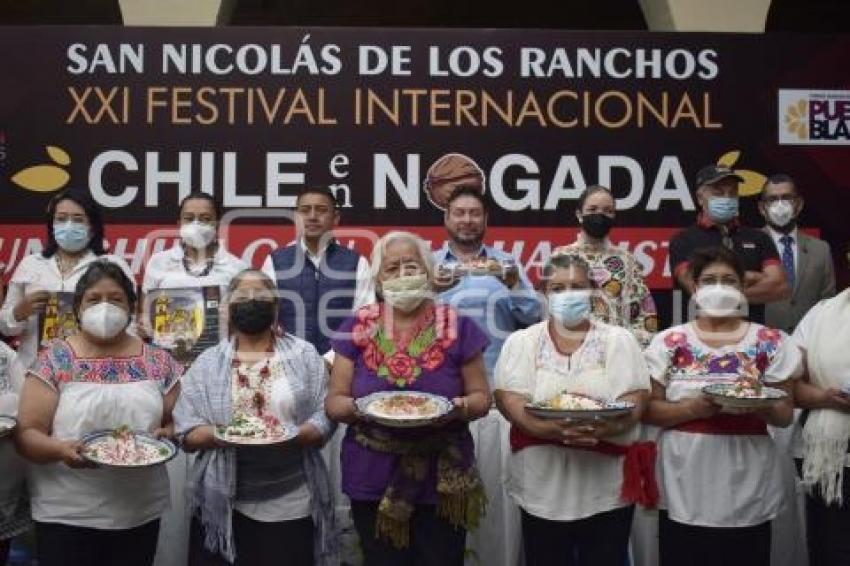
(809, 271)
(807, 261)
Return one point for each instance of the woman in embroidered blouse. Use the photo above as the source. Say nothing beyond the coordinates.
(100, 378)
(568, 477)
(625, 299)
(257, 505)
(720, 478)
(413, 492)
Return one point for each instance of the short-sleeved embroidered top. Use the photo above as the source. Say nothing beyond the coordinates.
(97, 394)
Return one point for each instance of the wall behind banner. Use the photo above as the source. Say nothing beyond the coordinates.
(141, 116)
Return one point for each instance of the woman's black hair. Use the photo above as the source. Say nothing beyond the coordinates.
(97, 271)
(566, 261)
(199, 195)
(703, 257)
(92, 211)
(592, 190)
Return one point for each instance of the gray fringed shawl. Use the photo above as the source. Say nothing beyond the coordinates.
(205, 398)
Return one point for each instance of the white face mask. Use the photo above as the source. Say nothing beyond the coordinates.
(104, 320)
(720, 301)
(780, 213)
(197, 235)
(407, 292)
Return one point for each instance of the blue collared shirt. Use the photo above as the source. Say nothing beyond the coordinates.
(497, 310)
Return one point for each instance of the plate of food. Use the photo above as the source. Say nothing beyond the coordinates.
(743, 393)
(7, 425)
(481, 266)
(575, 406)
(126, 448)
(403, 409)
(251, 430)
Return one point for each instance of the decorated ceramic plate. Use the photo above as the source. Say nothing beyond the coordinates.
(254, 431)
(578, 407)
(741, 395)
(124, 448)
(7, 425)
(403, 409)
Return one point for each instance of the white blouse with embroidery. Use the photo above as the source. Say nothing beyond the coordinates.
(565, 484)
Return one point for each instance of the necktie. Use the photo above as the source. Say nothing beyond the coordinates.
(788, 258)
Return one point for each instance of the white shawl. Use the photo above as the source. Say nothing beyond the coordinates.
(827, 431)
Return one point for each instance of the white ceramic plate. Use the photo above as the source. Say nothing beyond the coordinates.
(368, 406)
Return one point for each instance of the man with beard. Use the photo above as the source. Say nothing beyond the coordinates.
(490, 286)
(807, 260)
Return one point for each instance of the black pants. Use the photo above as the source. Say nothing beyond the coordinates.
(5, 545)
(828, 526)
(600, 540)
(65, 545)
(680, 544)
(433, 540)
(258, 543)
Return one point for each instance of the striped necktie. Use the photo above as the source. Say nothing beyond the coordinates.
(788, 258)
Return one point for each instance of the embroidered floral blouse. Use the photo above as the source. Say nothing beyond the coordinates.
(625, 299)
(430, 361)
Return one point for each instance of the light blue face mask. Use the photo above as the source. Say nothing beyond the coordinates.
(71, 236)
(722, 209)
(569, 307)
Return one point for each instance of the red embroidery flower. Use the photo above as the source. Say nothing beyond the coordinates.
(372, 356)
(682, 357)
(401, 366)
(264, 372)
(259, 402)
(242, 379)
(762, 361)
(433, 357)
(674, 339)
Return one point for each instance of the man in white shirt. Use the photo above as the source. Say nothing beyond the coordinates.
(807, 260)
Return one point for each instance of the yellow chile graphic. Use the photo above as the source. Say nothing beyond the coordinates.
(753, 181)
(45, 178)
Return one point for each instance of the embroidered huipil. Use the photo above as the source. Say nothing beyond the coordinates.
(431, 362)
(719, 480)
(96, 394)
(553, 482)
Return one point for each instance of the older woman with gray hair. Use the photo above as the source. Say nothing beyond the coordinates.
(414, 491)
(250, 504)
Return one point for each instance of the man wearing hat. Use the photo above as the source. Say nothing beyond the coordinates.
(718, 225)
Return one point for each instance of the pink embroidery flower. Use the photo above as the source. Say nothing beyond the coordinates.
(769, 335)
(401, 366)
(369, 312)
(372, 356)
(682, 357)
(446, 322)
(362, 333)
(433, 357)
(674, 339)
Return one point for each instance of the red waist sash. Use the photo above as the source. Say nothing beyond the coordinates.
(745, 425)
(639, 485)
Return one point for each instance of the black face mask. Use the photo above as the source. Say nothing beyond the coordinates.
(597, 225)
(252, 317)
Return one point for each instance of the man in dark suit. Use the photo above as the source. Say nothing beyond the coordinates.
(807, 261)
